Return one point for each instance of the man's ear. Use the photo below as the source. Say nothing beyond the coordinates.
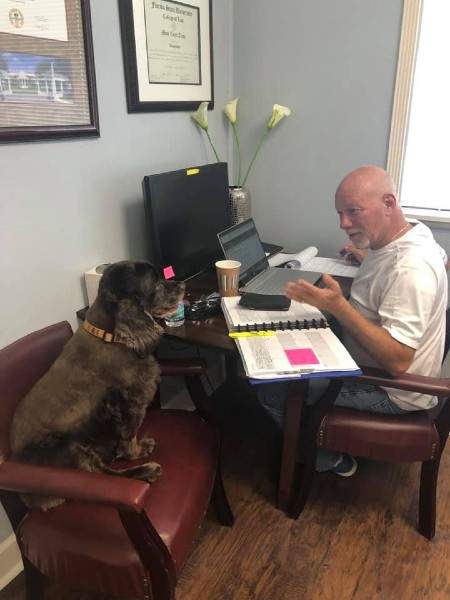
(390, 201)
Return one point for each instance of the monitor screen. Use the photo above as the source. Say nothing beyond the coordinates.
(185, 210)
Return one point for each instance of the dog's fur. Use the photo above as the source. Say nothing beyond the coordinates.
(85, 411)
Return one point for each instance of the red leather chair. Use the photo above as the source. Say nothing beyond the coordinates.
(114, 535)
(418, 436)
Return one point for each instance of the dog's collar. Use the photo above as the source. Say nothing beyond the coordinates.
(106, 336)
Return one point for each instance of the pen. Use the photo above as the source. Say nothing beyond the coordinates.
(241, 334)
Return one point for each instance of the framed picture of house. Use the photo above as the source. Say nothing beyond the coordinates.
(167, 51)
(47, 76)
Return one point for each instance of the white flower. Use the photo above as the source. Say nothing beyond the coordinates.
(201, 115)
(230, 110)
(278, 113)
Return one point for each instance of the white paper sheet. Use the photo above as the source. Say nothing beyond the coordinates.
(269, 357)
(332, 266)
(297, 260)
(307, 260)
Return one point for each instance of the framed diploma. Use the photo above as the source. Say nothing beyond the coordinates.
(47, 78)
(167, 51)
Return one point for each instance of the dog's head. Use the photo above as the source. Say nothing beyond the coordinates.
(132, 292)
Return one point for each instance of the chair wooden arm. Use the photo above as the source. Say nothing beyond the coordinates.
(182, 367)
(120, 492)
(433, 386)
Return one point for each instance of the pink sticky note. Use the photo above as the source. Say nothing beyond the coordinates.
(302, 356)
(168, 272)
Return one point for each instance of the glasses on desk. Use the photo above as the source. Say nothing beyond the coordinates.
(205, 307)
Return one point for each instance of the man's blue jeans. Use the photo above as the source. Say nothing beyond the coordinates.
(272, 396)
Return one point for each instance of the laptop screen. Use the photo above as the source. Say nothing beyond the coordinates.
(241, 242)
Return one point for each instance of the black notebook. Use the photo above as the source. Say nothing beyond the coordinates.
(299, 316)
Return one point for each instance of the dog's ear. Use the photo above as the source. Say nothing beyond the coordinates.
(138, 330)
(126, 292)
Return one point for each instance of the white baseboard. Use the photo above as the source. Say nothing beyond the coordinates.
(10, 560)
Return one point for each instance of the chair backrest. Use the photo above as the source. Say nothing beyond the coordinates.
(22, 364)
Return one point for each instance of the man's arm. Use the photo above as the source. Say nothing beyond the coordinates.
(390, 354)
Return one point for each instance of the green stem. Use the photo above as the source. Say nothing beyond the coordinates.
(258, 147)
(238, 152)
(212, 145)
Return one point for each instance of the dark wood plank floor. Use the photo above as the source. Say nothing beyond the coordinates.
(356, 540)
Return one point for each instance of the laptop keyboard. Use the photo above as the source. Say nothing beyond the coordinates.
(274, 280)
(267, 283)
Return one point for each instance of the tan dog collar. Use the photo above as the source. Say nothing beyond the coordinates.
(106, 336)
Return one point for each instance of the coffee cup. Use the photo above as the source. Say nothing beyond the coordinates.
(228, 277)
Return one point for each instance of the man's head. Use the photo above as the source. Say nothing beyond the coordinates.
(366, 203)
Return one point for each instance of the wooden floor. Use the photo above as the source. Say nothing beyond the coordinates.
(355, 540)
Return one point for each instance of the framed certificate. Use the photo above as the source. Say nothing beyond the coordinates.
(167, 50)
(47, 79)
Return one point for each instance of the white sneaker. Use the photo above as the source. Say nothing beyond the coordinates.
(346, 467)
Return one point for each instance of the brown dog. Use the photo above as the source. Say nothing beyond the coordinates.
(85, 411)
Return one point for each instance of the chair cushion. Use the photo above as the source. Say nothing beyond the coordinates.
(410, 437)
(86, 546)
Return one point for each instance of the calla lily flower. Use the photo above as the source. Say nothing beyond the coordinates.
(278, 113)
(230, 110)
(201, 116)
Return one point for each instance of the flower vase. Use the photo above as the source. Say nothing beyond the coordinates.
(239, 204)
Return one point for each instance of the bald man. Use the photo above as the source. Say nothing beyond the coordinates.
(395, 317)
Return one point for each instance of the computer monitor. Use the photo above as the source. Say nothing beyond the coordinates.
(185, 210)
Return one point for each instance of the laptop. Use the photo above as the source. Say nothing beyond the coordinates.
(242, 242)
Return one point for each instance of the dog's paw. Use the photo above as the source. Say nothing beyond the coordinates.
(146, 446)
(153, 471)
(43, 502)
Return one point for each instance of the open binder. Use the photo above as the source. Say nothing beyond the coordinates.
(300, 345)
(299, 316)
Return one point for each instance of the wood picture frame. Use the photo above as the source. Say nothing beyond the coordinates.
(168, 54)
(47, 73)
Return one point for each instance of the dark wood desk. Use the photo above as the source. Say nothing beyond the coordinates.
(213, 333)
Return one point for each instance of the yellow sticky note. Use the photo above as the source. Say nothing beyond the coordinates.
(192, 171)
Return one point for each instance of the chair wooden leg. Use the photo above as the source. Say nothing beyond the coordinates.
(427, 501)
(34, 581)
(291, 433)
(310, 446)
(220, 500)
(153, 553)
(304, 485)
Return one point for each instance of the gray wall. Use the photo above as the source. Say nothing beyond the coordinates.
(67, 206)
(333, 63)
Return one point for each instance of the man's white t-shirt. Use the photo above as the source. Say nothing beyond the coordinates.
(403, 288)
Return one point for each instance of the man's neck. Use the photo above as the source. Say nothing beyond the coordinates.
(395, 233)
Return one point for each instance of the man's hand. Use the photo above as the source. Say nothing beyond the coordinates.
(328, 298)
(352, 254)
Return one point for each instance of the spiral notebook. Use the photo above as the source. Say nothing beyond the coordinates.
(295, 344)
(299, 316)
